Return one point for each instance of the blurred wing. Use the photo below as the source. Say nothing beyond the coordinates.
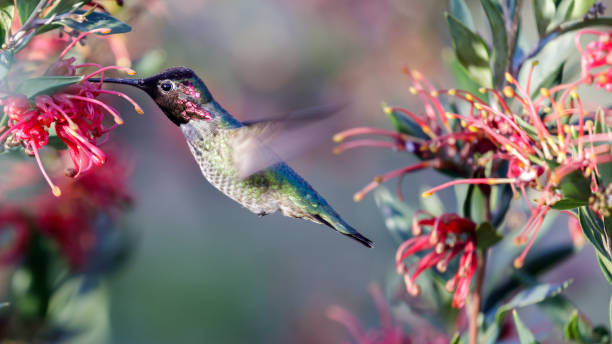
(261, 144)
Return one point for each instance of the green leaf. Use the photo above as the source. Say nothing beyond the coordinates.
(593, 230)
(63, 6)
(525, 335)
(536, 264)
(563, 13)
(527, 297)
(606, 267)
(610, 312)
(572, 330)
(569, 203)
(46, 84)
(25, 9)
(7, 9)
(581, 7)
(487, 236)
(544, 12)
(403, 123)
(471, 50)
(456, 339)
(461, 11)
(6, 61)
(553, 78)
(499, 38)
(396, 214)
(98, 20)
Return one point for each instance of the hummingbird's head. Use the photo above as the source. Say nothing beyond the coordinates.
(178, 91)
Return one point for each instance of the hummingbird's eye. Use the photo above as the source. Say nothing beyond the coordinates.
(166, 86)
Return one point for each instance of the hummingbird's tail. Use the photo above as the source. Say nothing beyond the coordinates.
(342, 227)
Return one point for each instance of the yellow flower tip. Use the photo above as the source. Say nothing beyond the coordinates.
(508, 92)
(482, 90)
(426, 130)
(73, 126)
(463, 123)
(130, 71)
(450, 115)
(105, 30)
(547, 109)
(520, 240)
(478, 106)
(441, 267)
(452, 92)
(509, 77)
(472, 129)
(413, 90)
(118, 120)
(387, 109)
(518, 263)
(338, 138)
(588, 124)
(469, 97)
(357, 197)
(544, 92)
(427, 194)
(56, 191)
(567, 128)
(434, 93)
(139, 110)
(337, 151)
(574, 94)
(417, 75)
(535, 63)
(378, 179)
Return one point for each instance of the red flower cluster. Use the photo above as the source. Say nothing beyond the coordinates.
(543, 140)
(444, 238)
(74, 113)
(71, 220)
(597, 55)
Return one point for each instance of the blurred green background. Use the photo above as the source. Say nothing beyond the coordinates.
(203, 269)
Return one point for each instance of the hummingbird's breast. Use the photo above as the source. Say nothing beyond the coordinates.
(212, 149)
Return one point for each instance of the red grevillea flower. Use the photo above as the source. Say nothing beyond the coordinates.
(75, 113)
(596, 58)
(390, 331)
(440, 239)
(443, 145)
(71, 221)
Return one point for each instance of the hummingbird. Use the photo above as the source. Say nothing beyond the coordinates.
(232, 155)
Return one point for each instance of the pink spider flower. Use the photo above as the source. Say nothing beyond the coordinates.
(596, 58)
(444, 145)
(390, 331)
(442, 238)
(74, 112)
(546, 140)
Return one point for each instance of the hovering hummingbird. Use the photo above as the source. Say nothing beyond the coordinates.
(227, 151)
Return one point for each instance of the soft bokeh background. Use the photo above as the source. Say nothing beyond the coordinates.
(203, 269)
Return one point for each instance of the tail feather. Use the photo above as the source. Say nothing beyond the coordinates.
(343, 228)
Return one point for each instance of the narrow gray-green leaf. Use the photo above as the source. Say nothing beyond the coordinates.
(525, 335)
(46, 84)
(500, 40)
(7, 8)
(531, 296)
(99, 20)
(568, 203)
(563, 13)
(471, 50)
(461, 11)
(544, 11)
(610, 312)
(25, 9)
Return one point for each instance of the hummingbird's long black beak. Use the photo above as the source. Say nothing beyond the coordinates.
(132, 82)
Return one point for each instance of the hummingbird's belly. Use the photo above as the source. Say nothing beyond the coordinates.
(254, 193)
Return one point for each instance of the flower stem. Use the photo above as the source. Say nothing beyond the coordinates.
(480, 270)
